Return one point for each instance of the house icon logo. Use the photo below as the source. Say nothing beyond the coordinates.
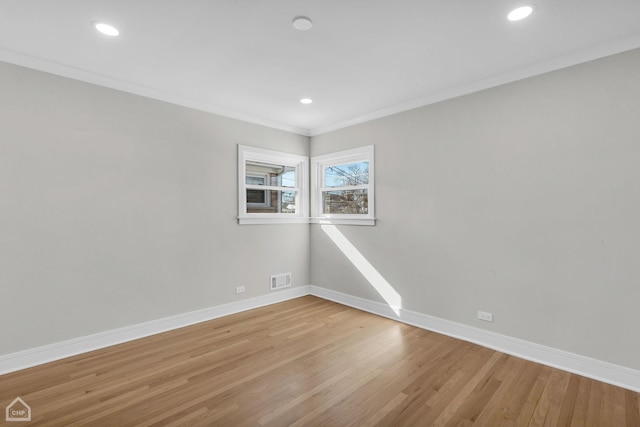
(18, 410)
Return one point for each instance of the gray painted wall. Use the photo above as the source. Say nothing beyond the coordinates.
(116, 209)
(522, 200)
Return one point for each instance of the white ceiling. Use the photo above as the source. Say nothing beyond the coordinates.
(361, 60)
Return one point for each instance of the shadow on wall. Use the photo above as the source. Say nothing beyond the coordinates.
(379, 283)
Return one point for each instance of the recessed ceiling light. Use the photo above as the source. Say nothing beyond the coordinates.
(520, 13)
(302, 23)
(106, 29)
(306, 101)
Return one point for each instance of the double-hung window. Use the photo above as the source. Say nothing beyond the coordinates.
(273, 186)
(343, 187)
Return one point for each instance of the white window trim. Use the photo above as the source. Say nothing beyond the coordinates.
(319, 163)
(301, 163)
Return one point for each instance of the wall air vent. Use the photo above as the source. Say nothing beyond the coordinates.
(279, 281)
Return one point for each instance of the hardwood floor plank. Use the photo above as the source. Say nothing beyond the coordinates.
(505, 403)
(632, 408)
(449, 411)
(528, 409)
(579, 415)
(569, 401)
(619, 411)
(310, 362)
(377, 416)
(594, 405)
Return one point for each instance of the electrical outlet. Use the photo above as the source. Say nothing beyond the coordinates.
(240, 289)
(483, 315)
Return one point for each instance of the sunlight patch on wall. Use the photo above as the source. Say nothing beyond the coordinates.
(379, 283)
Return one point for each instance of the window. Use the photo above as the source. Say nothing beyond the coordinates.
(343, 187)
(273, 186)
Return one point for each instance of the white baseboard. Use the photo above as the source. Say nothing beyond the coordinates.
(591, 368)
(581, 365)
(61, 350)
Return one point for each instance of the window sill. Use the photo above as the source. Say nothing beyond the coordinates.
(299, 220)
(343, 221)
(251, 221)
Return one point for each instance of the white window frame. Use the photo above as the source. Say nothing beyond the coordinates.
(301, 165)
(318, 166)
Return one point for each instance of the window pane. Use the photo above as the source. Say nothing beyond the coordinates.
(347, 175)
(269, 174)
(256, 180)
(276, 202)
(345, 202)
(257, 196)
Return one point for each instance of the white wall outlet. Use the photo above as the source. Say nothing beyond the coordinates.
(239, 289)
(483, 315)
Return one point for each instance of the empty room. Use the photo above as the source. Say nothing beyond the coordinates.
(319, 213)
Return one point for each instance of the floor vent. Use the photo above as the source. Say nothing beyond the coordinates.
(280, 281)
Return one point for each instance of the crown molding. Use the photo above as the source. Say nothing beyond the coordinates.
(535, 69)
(590, 54)
(147, 92)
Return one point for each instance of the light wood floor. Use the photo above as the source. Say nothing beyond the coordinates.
(310, 362)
